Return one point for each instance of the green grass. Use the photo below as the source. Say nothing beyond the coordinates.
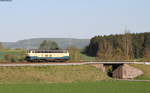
(50, 74)
(80, 87)
(145, 69)
(84, 57)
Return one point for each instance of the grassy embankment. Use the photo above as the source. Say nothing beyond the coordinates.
(80, 87)
(145, 69)
(50, 74)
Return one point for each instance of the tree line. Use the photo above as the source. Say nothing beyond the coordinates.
(120, 47)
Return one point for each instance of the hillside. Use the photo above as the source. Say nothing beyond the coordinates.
(34, 43)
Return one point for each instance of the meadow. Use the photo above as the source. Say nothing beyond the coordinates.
(85, 58)
(78, 87)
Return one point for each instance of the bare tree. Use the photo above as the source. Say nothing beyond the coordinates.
(1, 46)
(74, 53)
(127, 44)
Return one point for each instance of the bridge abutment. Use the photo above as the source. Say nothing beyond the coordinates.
(119, 71)
(100, 67)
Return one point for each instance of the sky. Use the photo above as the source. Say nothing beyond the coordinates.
(23, 19)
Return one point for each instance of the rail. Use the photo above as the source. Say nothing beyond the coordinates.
(68, 64)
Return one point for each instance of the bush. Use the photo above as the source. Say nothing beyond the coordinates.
(74, 54)
(8, 57)
(13, 58)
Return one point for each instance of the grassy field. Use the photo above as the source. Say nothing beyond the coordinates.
(79, 87)
(17, 54)
(50, 74)
(145, 69)
(86, 58)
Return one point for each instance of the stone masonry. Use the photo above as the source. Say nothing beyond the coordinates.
(99, 66)
(126, 72)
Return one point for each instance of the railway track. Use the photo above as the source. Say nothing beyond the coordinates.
(66, 63)
(39, 64)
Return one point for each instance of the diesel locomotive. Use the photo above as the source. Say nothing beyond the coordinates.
(36, 55)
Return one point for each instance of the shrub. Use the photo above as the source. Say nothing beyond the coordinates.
(74, 54)
(10, 58)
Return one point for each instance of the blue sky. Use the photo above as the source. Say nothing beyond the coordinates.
(23, 19)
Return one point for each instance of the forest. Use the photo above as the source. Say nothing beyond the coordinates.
(126, 46)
